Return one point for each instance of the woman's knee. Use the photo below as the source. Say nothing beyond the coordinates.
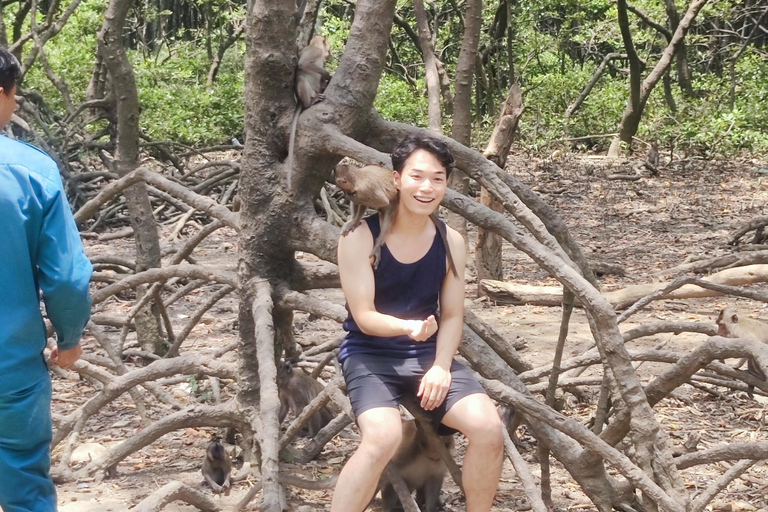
(381, 432)
(476, 417)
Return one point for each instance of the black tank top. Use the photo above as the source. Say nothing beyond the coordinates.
(404, 290)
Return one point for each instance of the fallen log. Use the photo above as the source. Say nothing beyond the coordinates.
(518, 294)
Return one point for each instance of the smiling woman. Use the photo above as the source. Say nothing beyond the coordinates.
(398, 344)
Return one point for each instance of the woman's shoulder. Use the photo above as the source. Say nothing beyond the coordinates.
(360, 236)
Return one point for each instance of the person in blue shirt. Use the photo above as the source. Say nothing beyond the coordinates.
(40, 251)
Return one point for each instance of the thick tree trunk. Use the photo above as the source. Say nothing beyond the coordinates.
(633, 112)
(681, 57)
(264, 254)
(488, 260)
(430, 67)
(275, 220)
(126, 160)
(462, 101)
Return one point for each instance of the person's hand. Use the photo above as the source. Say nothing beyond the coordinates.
(422, 330)
(66, 358)
(434, 387)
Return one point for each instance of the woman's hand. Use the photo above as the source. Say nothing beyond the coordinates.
(434, 387)
(421, 330)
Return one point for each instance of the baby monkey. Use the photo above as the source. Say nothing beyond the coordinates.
(217, 466)
(419, 463)
(732, 325)
(295, 390)
(652, 158)
(373, 186)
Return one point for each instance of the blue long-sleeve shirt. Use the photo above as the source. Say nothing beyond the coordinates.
(40, 250)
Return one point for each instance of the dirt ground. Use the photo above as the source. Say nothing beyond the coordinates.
(645, 225)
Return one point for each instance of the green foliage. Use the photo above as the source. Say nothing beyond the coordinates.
(556, 45)
(397, 101)
(176, 103)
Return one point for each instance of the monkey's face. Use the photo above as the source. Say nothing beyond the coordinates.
(322, 44)
(725, 320)
(422, 183)
(215, 451)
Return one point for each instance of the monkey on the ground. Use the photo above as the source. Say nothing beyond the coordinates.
(652, 158)
(373, 186)
(732, 325)
(419, 463)
(217, 466)
(311, 79)
(295, 390)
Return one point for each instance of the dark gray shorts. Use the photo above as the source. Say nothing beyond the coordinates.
(380, 381)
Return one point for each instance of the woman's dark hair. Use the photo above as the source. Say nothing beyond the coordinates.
(411, 143)
(10, 71)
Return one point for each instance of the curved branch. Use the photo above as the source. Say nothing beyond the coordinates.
(222, 415)
(735, 451)
(162, 274)
(197, 201)
(195, 318)
(176, 491)
(190, 365)
(661, 29)
(575, 430)
(290, 299)
(709, 494)
(527, 207)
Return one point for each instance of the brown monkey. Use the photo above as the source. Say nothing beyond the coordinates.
(373, 186)
(217, 466)
(419, 463)
(311, 72)
(311, 78)
(732, 325)
(295, 390)
(652, 158)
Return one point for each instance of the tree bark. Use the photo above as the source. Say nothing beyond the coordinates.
(430, 67)
(681, 57)
(269, 64)
(462, 101)
(632, 115)
(110, 39)
(488, 260)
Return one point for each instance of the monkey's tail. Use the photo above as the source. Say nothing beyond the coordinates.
(292, 142)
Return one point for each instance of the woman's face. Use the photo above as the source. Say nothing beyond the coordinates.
(422, 182)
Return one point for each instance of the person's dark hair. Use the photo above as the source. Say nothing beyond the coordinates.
(414, 142)
(10, 71)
